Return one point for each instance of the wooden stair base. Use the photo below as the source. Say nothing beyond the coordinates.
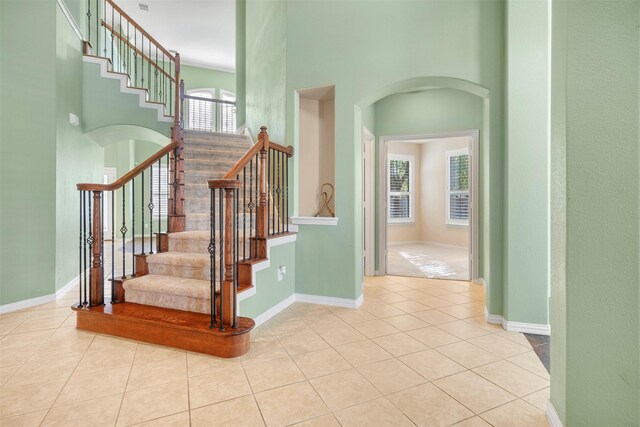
(165, 326)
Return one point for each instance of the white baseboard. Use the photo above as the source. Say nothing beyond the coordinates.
(31, 302)
(310, 299)
(552, 415)
(511, 326)
(274, 310)
(338, 302)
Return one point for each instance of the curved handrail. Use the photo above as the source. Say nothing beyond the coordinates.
(286, 150)
(244, 161)
(120, 182)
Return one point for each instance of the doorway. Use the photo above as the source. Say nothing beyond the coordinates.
(428, 213)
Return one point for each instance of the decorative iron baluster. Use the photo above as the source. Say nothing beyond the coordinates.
(90, 243)
(150, 206)
(113, 245)
(212, 256)
(97, 27)
(166, 224)
(123, 231)
(84, 240)
(251, 205)
(235, 261)
(244, 213)
(89, 20)
(133, 228)
(142, 210)
(286, 174)
(269, 188)
(221, 258)
(159, 204)
(80, 252)
(278, 189)
(112, 27)
(135, 57)
(102, 246)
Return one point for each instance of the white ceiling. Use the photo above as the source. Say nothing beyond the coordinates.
(202, 31)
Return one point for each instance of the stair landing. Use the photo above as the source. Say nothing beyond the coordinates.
(165, 326)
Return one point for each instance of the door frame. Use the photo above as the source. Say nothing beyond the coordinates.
(368, 202)
(474, 150)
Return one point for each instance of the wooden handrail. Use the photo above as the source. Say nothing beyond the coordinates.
(286, 150)
(244, 161)
(138, 51)
(136, 25)
(132, 173)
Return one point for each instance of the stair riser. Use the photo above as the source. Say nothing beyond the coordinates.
(197, 246)
(210, 166)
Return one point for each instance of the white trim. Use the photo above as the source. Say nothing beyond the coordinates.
(309, 299)
(66, 288)
(334, 301)
(260, 319)
(314, 220)
(511, 326)
(31, 302)
(552, 415)
(74, 25)
(125, 88)
(527, 328)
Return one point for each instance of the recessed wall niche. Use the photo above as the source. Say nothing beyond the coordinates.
(316, 150)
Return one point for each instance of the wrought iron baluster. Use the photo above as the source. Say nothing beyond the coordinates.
(97, 27)
(133, 228)
(120, 49)
(84, 240)
(278, 189)
(166, 224)
(90, 242)
(150, 206)
(251, 206)
(113, 245)
(102, 247)
(269, 188)
(159, 204)
(142, 210)
(221, 258)
(212, 256)
(235, 261)
(244, 213)
(123, 231)
(89, 20)
(112, 29)
(80, 252)
(135, 56)
(286, 175)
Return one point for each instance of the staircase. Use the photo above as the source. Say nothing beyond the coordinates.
(179, 278)
(196, 216)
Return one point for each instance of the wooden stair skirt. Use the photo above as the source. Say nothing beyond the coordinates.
(165, 326)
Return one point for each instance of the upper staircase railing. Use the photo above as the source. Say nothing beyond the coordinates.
(207, 114)
(114, 35)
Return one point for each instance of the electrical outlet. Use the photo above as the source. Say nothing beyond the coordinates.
(282, 270)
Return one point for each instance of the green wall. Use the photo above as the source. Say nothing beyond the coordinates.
(270, 291)
(41, 155)
(241, 55)
(200, 78)
(343, 45)
(266, 42)
(527, 163)
(78, 158)
(595, 218)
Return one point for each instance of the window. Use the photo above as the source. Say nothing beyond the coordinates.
(200, 113)
(227, 113)
(400, 188)
(458, 187)
(160, 189)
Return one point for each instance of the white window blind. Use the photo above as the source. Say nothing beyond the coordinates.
(201, 114)
(458, 187)
(400, 205)
(160, 188)
(227, 113)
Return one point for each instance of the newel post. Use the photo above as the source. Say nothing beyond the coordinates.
(262, 220)
(97, 274)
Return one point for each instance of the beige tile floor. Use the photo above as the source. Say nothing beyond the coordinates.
(428, 260)
(418, 352)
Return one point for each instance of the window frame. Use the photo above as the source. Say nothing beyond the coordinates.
(448, 220)
(412, 162)
(214, 112)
